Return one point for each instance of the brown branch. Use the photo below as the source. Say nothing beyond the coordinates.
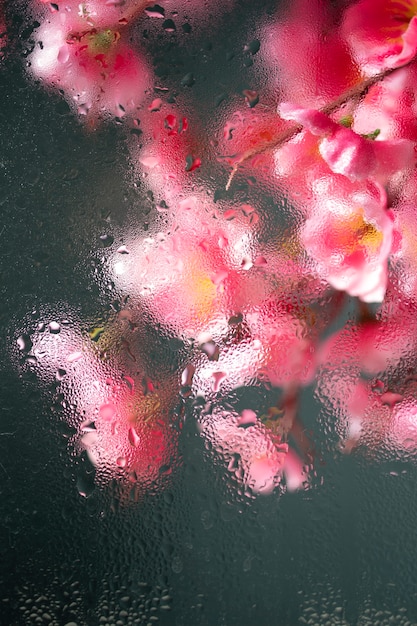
(357, 92)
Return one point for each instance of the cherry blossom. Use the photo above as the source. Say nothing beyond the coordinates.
(82, 49)
(345, 152)
(404, 257)
(200, 272)
(124, 420)
(330, 68)
(244, 135)
(256, 459)
(349, 236)
(131, 435)
(249, 296)
(288, 343)
(389, 107)
(168, 149)
(356, 380)
(381, 33)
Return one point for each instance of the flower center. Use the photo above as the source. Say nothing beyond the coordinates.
(202, 293)
(96, 42)
(356, 232)
(399, 14)
(101, 42)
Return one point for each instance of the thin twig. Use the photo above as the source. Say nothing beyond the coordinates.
(356, 92)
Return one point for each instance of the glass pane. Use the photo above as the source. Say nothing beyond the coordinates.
(208, 408)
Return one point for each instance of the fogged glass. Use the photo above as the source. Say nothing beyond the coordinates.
(208, 410)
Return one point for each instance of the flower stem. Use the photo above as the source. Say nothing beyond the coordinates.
(354, 93)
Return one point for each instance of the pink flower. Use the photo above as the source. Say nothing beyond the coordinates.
(298, 166)
(169, 150)
(245, 134)
(131, 438)
(256, 459)
(199, 273)
(305, 54)
(86, 56)
(349, 236)
(287, 342)
(371, 347)
(354, 363)
(402, 433)
(404, 257)
(348, 153)
(122, 418)
(381, 33)
(389, 107)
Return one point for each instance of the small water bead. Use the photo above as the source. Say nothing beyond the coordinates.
(24, 343)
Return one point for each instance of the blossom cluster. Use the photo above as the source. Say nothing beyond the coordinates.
(255, 304)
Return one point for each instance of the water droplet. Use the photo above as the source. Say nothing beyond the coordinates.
(107, 411)
(85, 485)
(155, 11)
(251, 97)
(188, 80)
(121, 461)
(177, 565)
(155, 105)
(130, 383)
(247, 418)
(89, 439)
(74, 357)
(106, 240)
(122, 250)
(253, 47)
(54, 328)
(83, 109)
(187, 375)
(133, 437)
(192, 163)
(96, 333)
(230, 214)
(211, 350)
(24, 343)
(218, 377)
(246, 264)
(169, 26)
(391, 399)
(61, 373)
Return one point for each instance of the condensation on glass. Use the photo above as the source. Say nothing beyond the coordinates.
(209, 408)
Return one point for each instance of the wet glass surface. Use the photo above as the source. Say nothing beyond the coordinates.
(199, 424)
